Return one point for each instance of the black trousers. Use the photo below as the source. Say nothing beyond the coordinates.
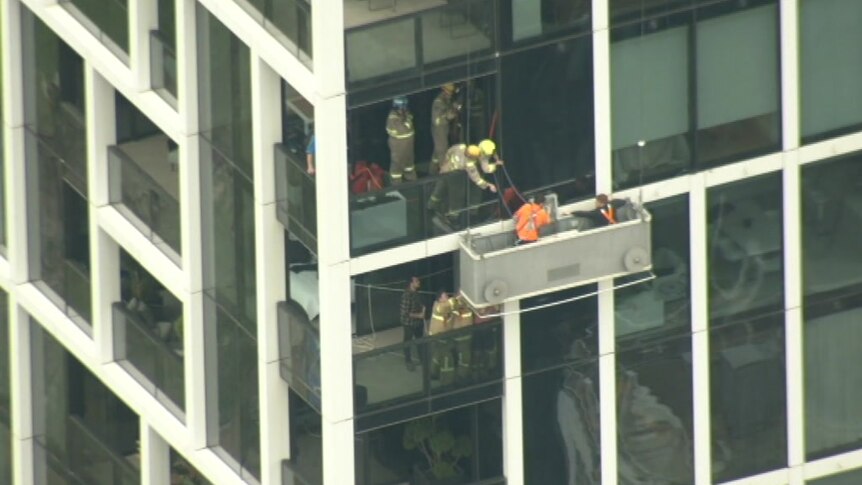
(415, 330)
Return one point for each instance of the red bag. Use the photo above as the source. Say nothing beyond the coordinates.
(366, 178)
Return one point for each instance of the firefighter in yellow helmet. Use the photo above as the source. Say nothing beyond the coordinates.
(442, 358)
(450, 192)
(444, 110)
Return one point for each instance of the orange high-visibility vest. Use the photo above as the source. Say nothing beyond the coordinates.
(609, 214)
(529, 218)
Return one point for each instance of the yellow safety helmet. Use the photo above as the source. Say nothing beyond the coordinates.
(473, 151)
(448, 87)
(488, 147)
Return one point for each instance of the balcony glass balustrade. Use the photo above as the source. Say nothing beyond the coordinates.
(296, 196)
(163, 67)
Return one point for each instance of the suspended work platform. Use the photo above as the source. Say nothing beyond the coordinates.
(568, 254)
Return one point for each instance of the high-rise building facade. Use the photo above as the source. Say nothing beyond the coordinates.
(226, 225)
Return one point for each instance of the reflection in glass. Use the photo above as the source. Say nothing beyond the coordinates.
(83, 433)
(746, 303)
(227, 202)
(55, 147)
(469, 440)
(106, 19)
(830, 67)
(679, 101)
(148, 334)
(832, 311)
(559, 348)
(654, 381)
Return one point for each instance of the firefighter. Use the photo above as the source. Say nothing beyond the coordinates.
(529, 219)
(462, 318)
(442, 317)
(444, 110)
(463, 157)
(399, 126)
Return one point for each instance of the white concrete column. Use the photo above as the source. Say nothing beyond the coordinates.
(21, 391)
(155, 457)
(793, 333)
(187, 67)
(602, 95)
(143, 17)
(607, 382)
(700, 331)
(270, 275)
(104, 252)
(513, 404)
(790, 127)
(14, 156)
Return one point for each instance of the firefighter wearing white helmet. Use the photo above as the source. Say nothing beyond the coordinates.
(463, 157)
(444, 110)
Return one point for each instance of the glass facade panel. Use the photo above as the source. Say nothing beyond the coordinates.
(832, 311)
(305, 467)
(228, 232)
(5, 395)
(55, 144)
(163, 53)
(459, 446)
(680, 100)
(183, 472)
(559, 360)
(830, 67)
(654, 370)
(846, 478)
(289, 21)
(547, 19)
(746, 327)
(148, 334)
(83, 433)
(106, 19)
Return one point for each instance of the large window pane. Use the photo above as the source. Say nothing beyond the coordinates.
(694, 85)
(830, 67)
(746, 327)
(559, 349)
(106, 19)
(654, 373)
(288, 20)
(56, 169)
(83, 434)
(228, 254)
(832, 311)
(846, 478)
(546, 19)
(163, 53)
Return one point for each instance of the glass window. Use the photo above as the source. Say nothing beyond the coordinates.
(288, 20)
(547, 19)
(832, 308)
(56, 170)
(148, 334)
(145, 178)
(746, 327)
(467, 444)
(654, 380)
(830, 67)
(82, 432)
(183, 472)
(847, 478)
(306, 444)
(163, 53)
(106, 19)
(227, 188)
(680, 100)
(559, 360)
(5, 396)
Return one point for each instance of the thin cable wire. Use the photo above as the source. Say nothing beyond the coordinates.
(569, 300)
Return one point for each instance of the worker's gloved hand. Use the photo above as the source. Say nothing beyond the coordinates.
(492, 188)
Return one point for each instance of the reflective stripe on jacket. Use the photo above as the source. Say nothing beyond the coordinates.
(529, 219)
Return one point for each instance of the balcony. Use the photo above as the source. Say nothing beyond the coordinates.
(492, 268)
(299, 344)
(296, 204)
(163, 67)
(455, 368)
(146, 193)
(154, 350)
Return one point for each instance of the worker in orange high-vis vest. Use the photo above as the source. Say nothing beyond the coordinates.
(605, 212)
(529, 219)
